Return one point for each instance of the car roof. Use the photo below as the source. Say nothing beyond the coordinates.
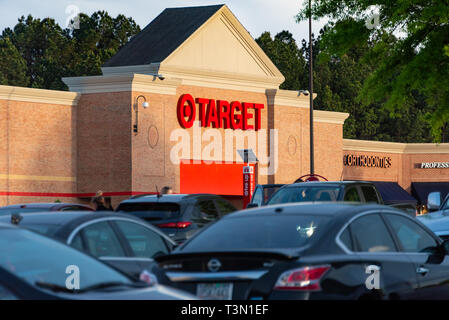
(166, 197)
(40, 205)
(64, 217)
(314, 208)
(325, 183)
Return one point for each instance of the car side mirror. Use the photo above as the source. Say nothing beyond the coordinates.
(434, 201)
(252, 205)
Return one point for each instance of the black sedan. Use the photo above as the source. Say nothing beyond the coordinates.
(311, 251)
(35, 267)
(126, 242)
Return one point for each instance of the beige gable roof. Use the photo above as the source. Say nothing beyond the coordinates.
(220, 53)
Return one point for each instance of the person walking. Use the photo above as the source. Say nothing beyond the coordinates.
(167, 190)
(99, 202)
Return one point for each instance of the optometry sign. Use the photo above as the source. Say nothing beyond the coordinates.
(218, 113)
(434, 165)
(366, 161)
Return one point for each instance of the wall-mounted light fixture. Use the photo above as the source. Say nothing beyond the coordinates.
(145, 104)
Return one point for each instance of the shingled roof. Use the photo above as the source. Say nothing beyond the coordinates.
(162, 36)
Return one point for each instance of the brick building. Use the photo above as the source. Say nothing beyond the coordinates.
(65, 146)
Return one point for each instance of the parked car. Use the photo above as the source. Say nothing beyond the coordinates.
(123, 241)
(311, 251)
(439, 224)
(33, 266)
(39, 207)
(438, 218)
(435, 206)
(180, 216)
(262, 193)
(324, 191)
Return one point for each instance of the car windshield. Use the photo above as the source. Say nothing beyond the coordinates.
(6, 211)
(268, 192)
(38, 259)
(258, 232)
(304, 194)
(152, 210)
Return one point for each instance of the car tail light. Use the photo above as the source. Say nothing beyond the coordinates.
(179, 225)
(303, 279)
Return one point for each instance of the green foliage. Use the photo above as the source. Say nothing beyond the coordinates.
(338, 81)
(12, 65)
(408, 50)
(43, 52)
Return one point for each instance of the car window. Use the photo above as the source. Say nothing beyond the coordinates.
(152, 211)
(370, 234)
(268, 192)
(352, 194)
(101, 240)
(224, 206)
(411, 236)
(370, 194)
(145, 243)
(205, 211)
(255, 232)
(345, 238)
(258, 196)
(77, 242)
(6, 294)
(304, 194)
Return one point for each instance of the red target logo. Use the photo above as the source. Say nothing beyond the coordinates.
(186, 108)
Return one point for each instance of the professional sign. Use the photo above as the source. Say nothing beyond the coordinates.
(218, 113)
(366, 161)
(248, 184)
(434, 165)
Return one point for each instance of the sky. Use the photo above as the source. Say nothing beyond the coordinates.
(256, 16)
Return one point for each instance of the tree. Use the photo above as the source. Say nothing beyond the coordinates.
(288, 57)
(411, 65)
(338, 81)
(12, 65)
(51, 53)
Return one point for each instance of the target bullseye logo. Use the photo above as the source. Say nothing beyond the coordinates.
(186, 108)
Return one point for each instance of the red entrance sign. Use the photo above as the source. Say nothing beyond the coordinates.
(218, 113)
(248, 184)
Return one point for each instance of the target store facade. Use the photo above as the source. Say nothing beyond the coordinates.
(174, 107)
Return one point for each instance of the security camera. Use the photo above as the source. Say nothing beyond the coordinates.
(161, 77)
(304, 92)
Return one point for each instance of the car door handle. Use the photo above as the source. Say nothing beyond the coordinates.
(422, 270)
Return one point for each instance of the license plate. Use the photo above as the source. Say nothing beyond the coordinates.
(214, 291)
